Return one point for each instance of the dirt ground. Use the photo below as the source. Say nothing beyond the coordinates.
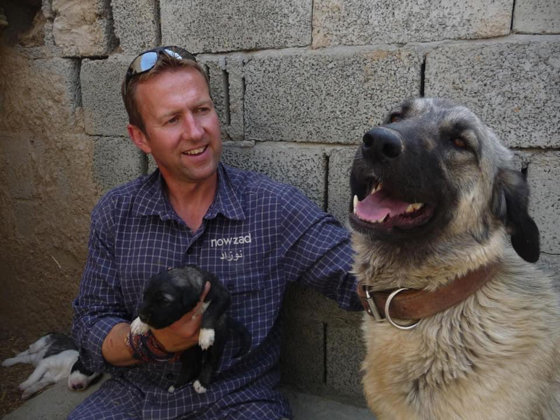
(10, 378)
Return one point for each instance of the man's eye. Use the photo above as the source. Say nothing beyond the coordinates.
(172, 120)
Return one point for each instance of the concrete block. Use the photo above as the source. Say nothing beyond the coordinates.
(544, 206)
(302, 361)
(136, 26)
(229, 25)
(301, 166)
(512, 84)
(537, 16)
(227, 90)
(83, 28)
(340, 163)
(327, 96)
(116, 160)
(365, 22)
(104, 111)
(345, 353)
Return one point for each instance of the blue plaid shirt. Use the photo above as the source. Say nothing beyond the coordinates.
(257, 236)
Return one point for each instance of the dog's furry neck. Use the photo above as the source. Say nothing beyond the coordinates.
(390, 267)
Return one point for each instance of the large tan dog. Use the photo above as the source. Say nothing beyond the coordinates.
(477, 335)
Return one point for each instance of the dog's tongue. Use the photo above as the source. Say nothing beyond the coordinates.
(376, 207)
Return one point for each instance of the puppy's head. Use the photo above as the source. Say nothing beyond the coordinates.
(80, 377)
(433, 170)
(171, 294)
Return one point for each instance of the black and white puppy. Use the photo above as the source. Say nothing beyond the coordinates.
(174, 292)
(55, 357)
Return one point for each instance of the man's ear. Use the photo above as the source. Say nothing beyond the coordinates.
(139, 138)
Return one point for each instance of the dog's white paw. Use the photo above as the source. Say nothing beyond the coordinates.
(206, 338)
(138, 327)
(198, 387)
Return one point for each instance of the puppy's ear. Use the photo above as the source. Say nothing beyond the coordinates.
(510, 200)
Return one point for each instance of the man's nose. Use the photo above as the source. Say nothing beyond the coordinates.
(192, 128)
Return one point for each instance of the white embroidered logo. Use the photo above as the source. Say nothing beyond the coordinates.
(230, 255)
(235, 240)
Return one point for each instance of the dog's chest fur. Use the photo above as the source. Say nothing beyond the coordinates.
(448, 365)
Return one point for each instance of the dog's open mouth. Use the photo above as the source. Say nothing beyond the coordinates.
(378, 208)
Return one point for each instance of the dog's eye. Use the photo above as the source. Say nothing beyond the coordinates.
(395, 117)
(459, 143)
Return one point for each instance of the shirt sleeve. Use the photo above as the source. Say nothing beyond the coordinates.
(99, 304)
(319, 252)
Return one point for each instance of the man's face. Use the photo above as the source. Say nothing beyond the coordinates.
(182, 130)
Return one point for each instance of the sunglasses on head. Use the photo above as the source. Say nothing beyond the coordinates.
(146, 61)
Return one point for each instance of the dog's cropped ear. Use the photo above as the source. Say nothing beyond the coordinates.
(510, 200)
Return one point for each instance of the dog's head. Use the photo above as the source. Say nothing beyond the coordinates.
(434, 170)
(171, 294)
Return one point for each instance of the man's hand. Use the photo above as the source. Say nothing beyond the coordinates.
(180, 335)
(183, 333)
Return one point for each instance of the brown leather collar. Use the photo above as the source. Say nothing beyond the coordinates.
(413, 304)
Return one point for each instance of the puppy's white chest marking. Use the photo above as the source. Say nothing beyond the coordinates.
(137, 327)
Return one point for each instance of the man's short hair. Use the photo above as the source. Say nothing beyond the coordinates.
(164, 63)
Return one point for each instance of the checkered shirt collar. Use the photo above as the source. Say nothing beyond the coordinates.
(152, 199)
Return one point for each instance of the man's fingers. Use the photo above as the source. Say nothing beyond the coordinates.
(205, 291)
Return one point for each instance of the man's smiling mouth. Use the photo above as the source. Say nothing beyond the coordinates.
(195, 152)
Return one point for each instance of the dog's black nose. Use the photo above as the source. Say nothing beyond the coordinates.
(381, 143)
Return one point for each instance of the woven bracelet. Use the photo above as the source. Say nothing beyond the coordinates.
(146, 348)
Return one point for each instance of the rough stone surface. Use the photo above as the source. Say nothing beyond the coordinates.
(116, 160)
(46, 192)
(302, 167)
(537, 16)
(340, 163)
(512, 84)
(302, 356)
(326, 96)
(543, 174)
(227, 25)
(104, 111)
(362, 22)
(83, 28)
(137, 28)
(345, 353)
(227, 89)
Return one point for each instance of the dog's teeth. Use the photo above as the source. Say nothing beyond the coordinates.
(376, 188)
(381, 220)
(355, 203)
(414, 207)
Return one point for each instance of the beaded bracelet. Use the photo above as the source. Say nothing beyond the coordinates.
(146, 348)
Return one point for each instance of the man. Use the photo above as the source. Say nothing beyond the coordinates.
(254, 234)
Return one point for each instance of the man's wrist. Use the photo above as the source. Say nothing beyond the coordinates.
(146, 348)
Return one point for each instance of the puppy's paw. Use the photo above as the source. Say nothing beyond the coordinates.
(138, 327)
(198, 387)
(206, 338)
(10, 362)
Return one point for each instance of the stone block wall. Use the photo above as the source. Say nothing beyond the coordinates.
(296, 84)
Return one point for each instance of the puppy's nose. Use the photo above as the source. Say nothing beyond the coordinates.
(381, 143)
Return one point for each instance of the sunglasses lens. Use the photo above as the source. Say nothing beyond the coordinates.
(173, 54)
(147, 61)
